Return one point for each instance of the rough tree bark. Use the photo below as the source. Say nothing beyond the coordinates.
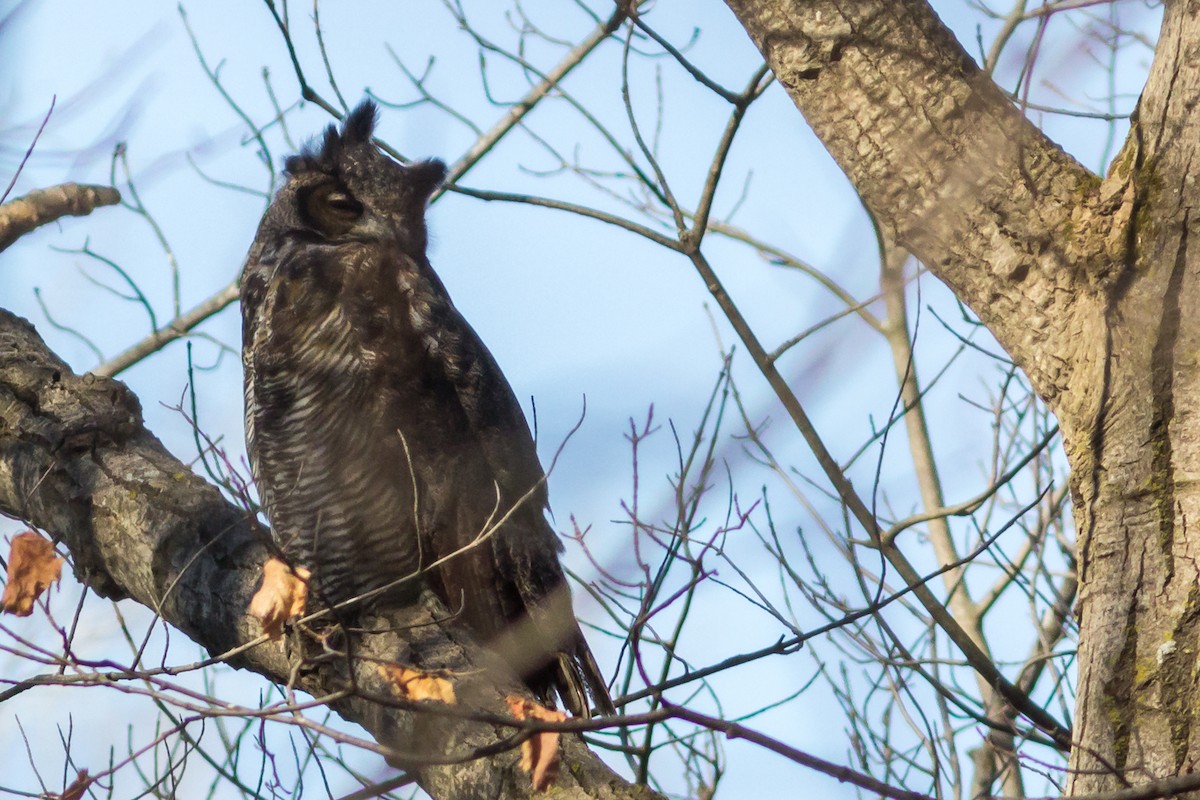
(76, 461)
(70, 199)
(1085, 282)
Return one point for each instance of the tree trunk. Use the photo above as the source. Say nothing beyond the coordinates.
(1135, 491)
(1085, 282)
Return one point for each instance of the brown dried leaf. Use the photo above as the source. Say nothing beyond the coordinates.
(539, 753)
(77, 788)
(283, 595)
(32, 567)
(413, 684)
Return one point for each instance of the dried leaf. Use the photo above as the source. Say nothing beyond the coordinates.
(77, 788)
(413, 684)
(539, 753)
(32, 567)
(283, 595)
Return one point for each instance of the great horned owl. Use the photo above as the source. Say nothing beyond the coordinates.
(387, 447)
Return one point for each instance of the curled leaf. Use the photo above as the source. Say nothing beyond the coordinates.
(282, 595)
(32, 567)
(413, 684)
(539, 753)
(77, 788)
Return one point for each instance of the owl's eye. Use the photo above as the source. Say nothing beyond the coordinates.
(329, 208)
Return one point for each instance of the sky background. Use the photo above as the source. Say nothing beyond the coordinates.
(571, 308)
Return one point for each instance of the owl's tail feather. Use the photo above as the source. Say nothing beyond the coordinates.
(548, 650)
(578, 678)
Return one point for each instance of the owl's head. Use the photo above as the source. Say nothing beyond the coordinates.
(342, 189)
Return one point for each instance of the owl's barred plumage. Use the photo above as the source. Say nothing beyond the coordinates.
(384, 439)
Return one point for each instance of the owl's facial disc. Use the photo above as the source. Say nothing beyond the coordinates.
(328, 208)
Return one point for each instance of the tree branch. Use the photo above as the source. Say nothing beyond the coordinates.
(1019, 231)
(175, 329)
(76, 461)
(42, 206)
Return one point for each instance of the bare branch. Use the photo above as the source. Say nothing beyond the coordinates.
(175, 329)
(42, 206)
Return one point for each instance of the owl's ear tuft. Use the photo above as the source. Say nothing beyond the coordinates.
(425, 176)
(301, 162)
(357, 128)
(360, 123)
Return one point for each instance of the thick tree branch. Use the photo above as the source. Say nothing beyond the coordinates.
(76, 461)
(42, 206)
(1013, 225)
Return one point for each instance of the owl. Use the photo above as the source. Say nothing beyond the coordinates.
(388, 449)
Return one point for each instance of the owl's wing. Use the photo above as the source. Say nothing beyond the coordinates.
(484, 394)
(544, 634)
(252, 298)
